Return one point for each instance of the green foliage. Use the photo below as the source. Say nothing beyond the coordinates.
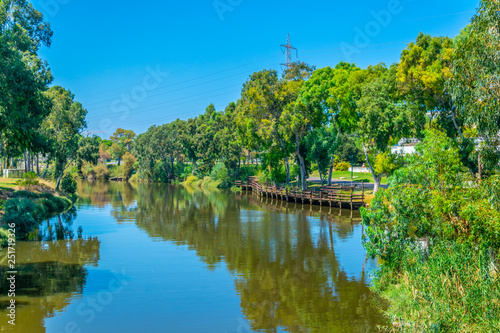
(68, 184)
(88, 171)
(248, 171)
(474, 85)
(24, 77)
(221, 174)
(190, 180)
(386, 163)
(114, 171)
(101, 171)
(452, 289)
(27, 209)
(23, 213)
(62, 128)
(128, 165)
(117, 151)
(123, 138)
(432, 206)
(29, 179)
(423, 71)
(4, 237)
(341, 166)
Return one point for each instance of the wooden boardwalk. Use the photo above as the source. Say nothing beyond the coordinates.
(340, 196)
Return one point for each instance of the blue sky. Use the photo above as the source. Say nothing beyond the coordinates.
(134, 64)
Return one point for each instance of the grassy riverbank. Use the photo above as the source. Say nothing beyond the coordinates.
(27, 207)
(436, 233)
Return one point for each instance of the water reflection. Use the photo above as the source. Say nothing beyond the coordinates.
(283, 257)
(49, 274)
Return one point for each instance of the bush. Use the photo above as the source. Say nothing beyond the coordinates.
(25, 194)
(340, 165)
(114, 171)
(4, 238)
(134, 178)
(22, 212)
(29, 179)
(101, 171)
(457, 291)
(221, 175)
(248, 171)
(88, 171)
(190, 180)
(128, 165)
(68, 184)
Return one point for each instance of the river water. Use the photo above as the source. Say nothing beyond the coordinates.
(163, 258)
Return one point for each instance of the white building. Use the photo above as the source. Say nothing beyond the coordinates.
(405, 146)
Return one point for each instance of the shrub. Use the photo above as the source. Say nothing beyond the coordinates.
(128, 165)
(4, 238)
(22, 212)
(221, 175)
(247, 171)
(29, 179)
(101, 171)
(25, 194)
(134, 178)
(114, 171)
(88, 171)
(190, 180)
(68, 184)
(340, 165)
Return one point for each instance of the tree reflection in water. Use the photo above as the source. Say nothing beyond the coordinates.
(286, 270)
(50, 272)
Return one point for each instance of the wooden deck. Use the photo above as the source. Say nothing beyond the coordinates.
(340, 196)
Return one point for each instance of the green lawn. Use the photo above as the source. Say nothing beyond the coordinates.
(346, 175)
(8, 183)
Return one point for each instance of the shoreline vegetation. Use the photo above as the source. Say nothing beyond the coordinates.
(27, 204)
(435, 229)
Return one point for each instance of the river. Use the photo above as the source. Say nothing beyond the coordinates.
(163, 258)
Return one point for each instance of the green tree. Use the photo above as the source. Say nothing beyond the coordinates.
(475, 86)
(88, 151)
(422, 73)
(384, 119)
(25, 77)
(260, 115)
(62, 128)
(117, 151)
(123, 138)
(128, 165)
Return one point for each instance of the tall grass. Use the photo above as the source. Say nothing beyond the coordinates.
(455, 289)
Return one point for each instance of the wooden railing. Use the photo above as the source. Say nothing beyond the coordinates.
(336, 195)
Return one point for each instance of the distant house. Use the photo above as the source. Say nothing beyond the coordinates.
(405, 146)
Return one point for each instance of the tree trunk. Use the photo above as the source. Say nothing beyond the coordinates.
(287, 167)
(303, 179)
(376, 178)
(59, 179)
(455, 124)
(38, 164)
(173, 169)
(119, 160)
(46, 168)
(320, 173)
(239, 166)
(479, 167)
(330, 172)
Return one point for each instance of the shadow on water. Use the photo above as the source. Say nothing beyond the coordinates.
(50, 272)
(285, 259)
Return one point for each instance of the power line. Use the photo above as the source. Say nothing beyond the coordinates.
(288, 52)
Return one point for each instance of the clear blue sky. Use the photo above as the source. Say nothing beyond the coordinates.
(104, 51)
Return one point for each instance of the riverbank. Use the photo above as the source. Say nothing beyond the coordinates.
(436, 233)
(26, 207)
